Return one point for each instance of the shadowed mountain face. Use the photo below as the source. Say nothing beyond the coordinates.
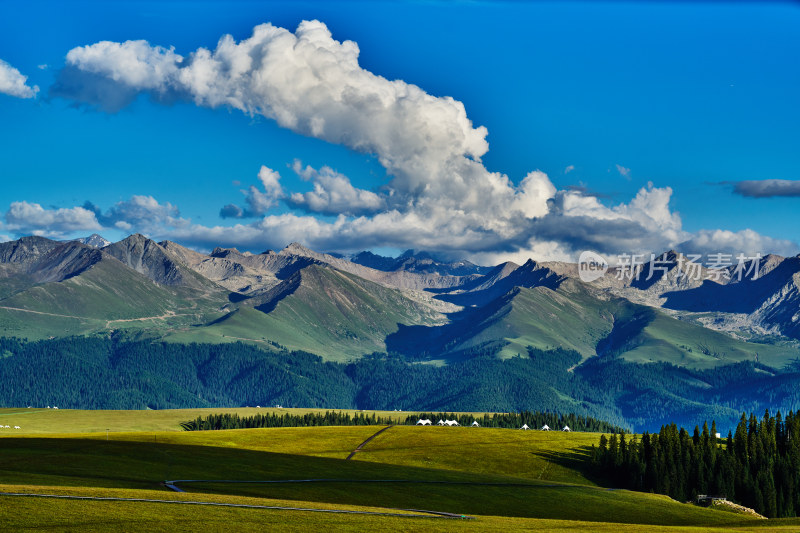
(64, 261)
(775, 276)
(149, 258)
(25, 250)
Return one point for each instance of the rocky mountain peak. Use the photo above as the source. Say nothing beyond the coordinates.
(94, 240)
(296, 248)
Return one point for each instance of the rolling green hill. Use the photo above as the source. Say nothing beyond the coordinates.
(500, 478)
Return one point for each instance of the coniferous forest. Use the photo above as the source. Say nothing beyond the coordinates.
(757, 466)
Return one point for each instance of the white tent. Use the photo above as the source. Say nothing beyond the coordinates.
(451, 422)
(545, 428)
(440, 423)
(566, 428)
(423, 422)
(524, 426)
(475, 424)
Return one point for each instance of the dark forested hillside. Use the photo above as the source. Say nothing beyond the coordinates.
(758, 465)
(110, 373)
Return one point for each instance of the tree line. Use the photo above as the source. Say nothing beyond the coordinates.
(285, 420)
(534, 420)
(757, 466)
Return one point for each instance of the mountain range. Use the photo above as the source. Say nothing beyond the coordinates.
(413, 307)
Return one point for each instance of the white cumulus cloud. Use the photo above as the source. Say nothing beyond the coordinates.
(140, 212)
(746, 242)
(13, 83)
(31, 218)
(258, 201)
(333, 193)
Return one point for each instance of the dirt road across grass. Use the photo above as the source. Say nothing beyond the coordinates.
(358, 448)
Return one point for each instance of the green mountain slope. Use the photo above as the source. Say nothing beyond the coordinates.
(574, 318)
(105, 296)
(321, 310)
(686, 344)
(545, 319)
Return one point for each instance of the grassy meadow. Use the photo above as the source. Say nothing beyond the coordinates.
(503, 479)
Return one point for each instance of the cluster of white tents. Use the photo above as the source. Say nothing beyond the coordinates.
(9, 427)
(427, 422)
(545, 428)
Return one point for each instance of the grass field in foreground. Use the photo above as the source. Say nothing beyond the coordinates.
(140, 461)
(507, 479)
(33, 514)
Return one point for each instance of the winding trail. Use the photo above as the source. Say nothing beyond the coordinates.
(174, 483)
(429, 514)
(166, 315)
(358, 449)
(46, 314)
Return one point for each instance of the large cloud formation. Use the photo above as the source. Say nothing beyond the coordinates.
(440, 196)
(13, 83)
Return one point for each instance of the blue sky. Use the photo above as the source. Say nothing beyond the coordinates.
(653, 125)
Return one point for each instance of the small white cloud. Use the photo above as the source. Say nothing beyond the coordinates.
(333, 194)
(140, 211)
(569, 169)
(13, 83)
(624, 172)
(747, 242)
(258, 201)
(25, 217)
(132, 63)
(767, 188)
(43, 66)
